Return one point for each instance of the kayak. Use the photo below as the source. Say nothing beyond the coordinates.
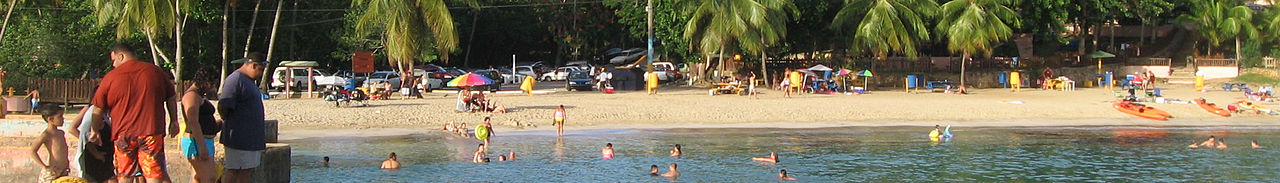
(1213, 108)
(1141, 110)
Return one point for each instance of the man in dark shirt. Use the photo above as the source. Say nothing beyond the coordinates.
(135, 92)
(240, 105)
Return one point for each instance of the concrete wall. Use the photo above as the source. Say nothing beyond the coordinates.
(275, 164)
(1218, 72)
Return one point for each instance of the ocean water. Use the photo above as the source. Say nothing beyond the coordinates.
(854, 154)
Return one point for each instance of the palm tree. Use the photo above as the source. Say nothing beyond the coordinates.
(407, 25)
(770, 31)
(154, 19)
(716, 23)
(975, 26)
(885, 26)
(1222, 19)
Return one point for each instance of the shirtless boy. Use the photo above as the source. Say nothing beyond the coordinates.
(54, 143)
(782, 175)
(672, 172)
(676, 152)
(391, 163)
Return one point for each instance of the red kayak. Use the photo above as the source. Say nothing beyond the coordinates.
(1141, 110)
(1213, 108)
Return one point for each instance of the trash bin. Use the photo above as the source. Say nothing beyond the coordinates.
(913, 81)
(1004, 79)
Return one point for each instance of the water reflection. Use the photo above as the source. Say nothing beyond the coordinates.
(884, 154)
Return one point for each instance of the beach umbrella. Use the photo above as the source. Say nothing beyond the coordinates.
(470, 79)
(1099, 55)
(820, 67)
(804, 71)
(844, 72)
(866, 75)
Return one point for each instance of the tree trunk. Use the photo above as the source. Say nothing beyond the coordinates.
(6, 19)
(720, 66)
(963, 61)
(221, 78)
(1143, 35)
(248, 40)
(177, 37)
(271, 45)
(1239, 55)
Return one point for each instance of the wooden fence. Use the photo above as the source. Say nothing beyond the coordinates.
(1150, 61)
(1269, 62)
(1215, 62)
(79, 91)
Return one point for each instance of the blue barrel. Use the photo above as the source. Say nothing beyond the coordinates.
(1106, 81)
(1004, 79)
(913, 81)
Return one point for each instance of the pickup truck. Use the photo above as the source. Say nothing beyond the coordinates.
(299, 79)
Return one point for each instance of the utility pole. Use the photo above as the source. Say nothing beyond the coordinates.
(648, 62)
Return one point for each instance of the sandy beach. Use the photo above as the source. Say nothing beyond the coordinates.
(691, 107)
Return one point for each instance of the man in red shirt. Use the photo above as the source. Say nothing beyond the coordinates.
(136, 93)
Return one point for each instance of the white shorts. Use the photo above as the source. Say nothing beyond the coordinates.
(241, 159)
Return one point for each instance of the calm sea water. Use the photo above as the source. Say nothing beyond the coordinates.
(855, 154)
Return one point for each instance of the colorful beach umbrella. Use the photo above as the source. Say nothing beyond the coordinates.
(844, 72)
(866, 73)
(470, 79)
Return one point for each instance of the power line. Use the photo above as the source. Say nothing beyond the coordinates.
(346, 9)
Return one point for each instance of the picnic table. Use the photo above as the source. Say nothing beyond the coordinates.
(727, 88)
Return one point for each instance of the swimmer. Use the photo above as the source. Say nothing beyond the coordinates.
(773, 158)
(326, 161)
(653, 170)
(478, 156)
(486, 160)
(391, 163)
(676, 152)
(936, 131)
(1222, 144)
(782, 175)
(672, 172)
(1193, 145)
(502, 157)
(511, 156)
(1210, 143)
(1255, 144)
(607, 152)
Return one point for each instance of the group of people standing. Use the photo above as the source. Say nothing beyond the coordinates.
(122, 133)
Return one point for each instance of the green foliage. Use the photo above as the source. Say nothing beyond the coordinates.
(886, 26)
(976, 26)
(1222, 20)
(1255, 78)
(406, 26)
(149, 17)
(668, 26)
(60, 43)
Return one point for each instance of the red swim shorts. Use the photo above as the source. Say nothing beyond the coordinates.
(144, 154)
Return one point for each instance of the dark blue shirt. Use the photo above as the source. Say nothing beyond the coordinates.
(240, 105)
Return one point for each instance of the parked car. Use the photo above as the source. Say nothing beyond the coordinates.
(584, 65)
(579, 80)
(526, 71)
(385, 76)
(299, 79)
(509, 78)
(429, 83)
(666, 71)
(491, 74)
(560, 73)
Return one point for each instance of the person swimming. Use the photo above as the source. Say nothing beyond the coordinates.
(676, 152)
(782, 175)
(1255, 144)
(653, 170)
(773, 158)
(478, 156)
(672, 172)
(607, 152)
(1193, 145)
(502, 157)
(1222, 143)
(326, 160)
(937, 131)
(1210, 143)
(511, 156)
(391, 163)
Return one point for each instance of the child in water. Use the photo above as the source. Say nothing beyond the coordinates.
(773, 158)
(676, 152)
(607, 152)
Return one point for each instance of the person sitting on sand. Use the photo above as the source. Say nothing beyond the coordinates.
(782, 175)
(607, 152)
(478, 156)
(500, 109)
(653, 170)
(672, 172)
(1255, 144)
(1222, 143)
(676, 152)
(1210, 143)
(773, 158)
(391, 163)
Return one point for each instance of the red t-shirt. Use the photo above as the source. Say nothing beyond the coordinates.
(134, 93)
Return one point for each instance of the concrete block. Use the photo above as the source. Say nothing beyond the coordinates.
(272, 128)
(275, 164)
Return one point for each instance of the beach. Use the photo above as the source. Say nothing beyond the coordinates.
(691, 107)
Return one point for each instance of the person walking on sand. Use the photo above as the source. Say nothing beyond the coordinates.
(773, 158)
(391, 163)
(243, 134)
(34, 95)
(559, 120)
(1015, 81)
(607, 152)
(751, 86)
(197, 142)
(651, 82)
(786, 83)
(138, 94)
(54, 143)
